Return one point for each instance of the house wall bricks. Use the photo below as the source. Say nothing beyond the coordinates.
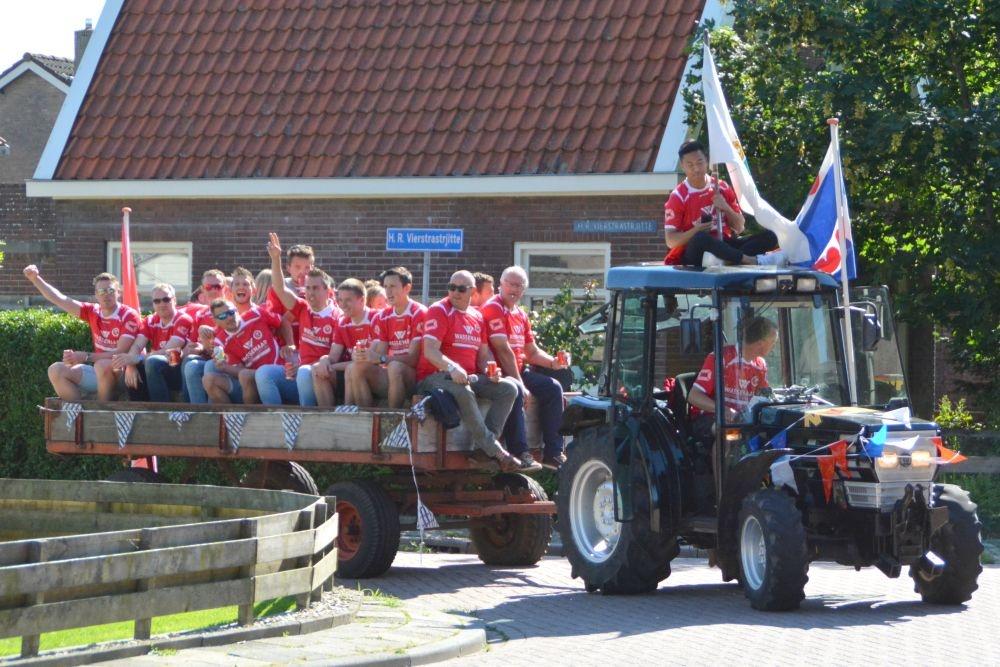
(28, 109)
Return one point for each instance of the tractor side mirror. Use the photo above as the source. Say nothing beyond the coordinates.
(690, 335)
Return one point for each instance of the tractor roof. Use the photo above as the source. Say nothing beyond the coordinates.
(658, 276)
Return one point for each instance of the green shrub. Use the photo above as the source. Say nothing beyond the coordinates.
(555, 328)
(955, 415)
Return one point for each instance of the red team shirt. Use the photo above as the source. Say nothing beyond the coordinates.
(511, 323)
(158, 334)
(200, 314)
(461, 335)
(105, 332)
(400, 330)
(275, 305)
(317, 330)
(685, 206)
(350, 334)
(255, 343)
(741, 380)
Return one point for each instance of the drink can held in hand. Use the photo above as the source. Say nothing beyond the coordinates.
(174, 356)
(563, 358)
(219, 354)
(290, 370)
(492, 370)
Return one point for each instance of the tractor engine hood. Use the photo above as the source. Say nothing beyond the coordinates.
(838, 419)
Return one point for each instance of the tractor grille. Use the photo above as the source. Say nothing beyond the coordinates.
(876, 495)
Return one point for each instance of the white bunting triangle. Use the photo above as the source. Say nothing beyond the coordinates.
(425, 518)
(234, 427)
(123, 424)
(180, 418)
(346, 409)
(398, 439)
(72, 411)
(290, 422)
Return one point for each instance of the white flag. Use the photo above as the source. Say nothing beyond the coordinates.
(725, 148)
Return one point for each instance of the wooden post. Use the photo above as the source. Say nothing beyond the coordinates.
(321, 517)
(37, 553)
(144, 626)
(245, 615)
(306, 522)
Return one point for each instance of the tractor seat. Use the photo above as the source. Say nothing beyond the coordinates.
(679, 397)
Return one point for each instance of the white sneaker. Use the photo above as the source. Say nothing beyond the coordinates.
(776, 258)
(709, 260)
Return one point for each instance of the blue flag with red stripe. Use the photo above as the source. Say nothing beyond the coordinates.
(818, 221)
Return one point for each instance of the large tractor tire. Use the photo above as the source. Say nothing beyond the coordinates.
(369, 529)
(774, 562)
(959, 543)
(142, 475)
(280, 476)
(513, 539)
(613, 557)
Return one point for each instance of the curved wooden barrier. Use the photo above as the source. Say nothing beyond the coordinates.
(154, 550)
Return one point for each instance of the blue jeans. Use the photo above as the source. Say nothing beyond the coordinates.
(274, 388)
(193, 369)
(161, 378)
(304, 381)
(548, 396)
(235, 388)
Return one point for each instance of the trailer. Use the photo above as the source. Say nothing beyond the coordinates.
(434, 470)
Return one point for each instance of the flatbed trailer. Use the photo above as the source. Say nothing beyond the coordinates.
(509, 515)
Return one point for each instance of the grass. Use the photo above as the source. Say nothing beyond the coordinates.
(192, 620)
(384, 599)
(985, 492)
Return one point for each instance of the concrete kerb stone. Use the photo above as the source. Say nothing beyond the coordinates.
(132, 649)
(463, 642)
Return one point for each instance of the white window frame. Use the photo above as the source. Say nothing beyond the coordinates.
(522, 257)
(179, 247)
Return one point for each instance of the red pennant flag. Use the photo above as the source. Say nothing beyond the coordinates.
(130, 287)
(826, 467)
(946, 455)
(839, 451)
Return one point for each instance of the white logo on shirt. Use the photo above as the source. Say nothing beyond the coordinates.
(400, 334)
(468, 329)
(327, 329)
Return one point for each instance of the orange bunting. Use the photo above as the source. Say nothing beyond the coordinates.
(839, 451)
(826, 468)
(947, 456)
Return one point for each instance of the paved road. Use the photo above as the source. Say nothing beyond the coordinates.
(540, 615)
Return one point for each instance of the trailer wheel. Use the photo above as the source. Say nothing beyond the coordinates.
(959, 543)
(280, 476)
(615, 558)
(774, 562)
(369, 529)
(142, 475)
(513, 539)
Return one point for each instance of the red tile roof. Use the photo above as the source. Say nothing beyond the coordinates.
(337, 88)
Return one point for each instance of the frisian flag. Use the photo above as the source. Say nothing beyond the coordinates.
(818, 221)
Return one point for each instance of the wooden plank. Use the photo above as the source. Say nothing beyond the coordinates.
(324, 569)
(51, 575)
(335, 433)
(71, 523)
(276, 524)
(286, 545)
(100, 610)
(281, 584)
(975, 465)
(326, 534)
(307, 523)
(75, 546)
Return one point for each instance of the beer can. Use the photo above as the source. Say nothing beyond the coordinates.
(290, 370)
(174, 356)
(563, 358)
(219, 354)
(492, 370)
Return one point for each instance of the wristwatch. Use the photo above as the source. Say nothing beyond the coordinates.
(451, 368)
(383, 359)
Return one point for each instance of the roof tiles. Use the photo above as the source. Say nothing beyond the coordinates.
(337, 88)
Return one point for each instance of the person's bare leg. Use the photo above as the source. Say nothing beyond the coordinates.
(217, 387)
(106, 380)
(249, 383)
(348, 394)
(402, 379)
(356, 386)
(324, 392)
(66, 381)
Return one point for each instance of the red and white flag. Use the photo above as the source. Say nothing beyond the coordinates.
(130, 286)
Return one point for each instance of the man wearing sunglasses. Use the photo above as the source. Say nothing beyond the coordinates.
(113, 327)
(198, 348)
(317, 316)
(250, 342)
(513, 345)
(454, 348)
(165, 329)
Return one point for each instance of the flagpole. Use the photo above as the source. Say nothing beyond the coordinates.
(838, 184)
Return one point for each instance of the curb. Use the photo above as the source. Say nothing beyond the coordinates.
(464, 642)
(134, 649)
(463, 545)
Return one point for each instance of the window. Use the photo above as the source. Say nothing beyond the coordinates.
(550, 266)
(629, 357)
(155, 263)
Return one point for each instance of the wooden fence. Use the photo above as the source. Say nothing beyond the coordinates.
(156, 561)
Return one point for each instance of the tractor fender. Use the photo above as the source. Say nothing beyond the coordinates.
(642, 446)
(745, 477)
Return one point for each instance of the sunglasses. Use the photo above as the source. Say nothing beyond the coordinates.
(212, 288)
(224, 315)
(101, 291)
(461, 289)
(166, 299)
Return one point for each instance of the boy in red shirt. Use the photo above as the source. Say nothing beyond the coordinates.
(113, 327)
(702, 216)
(249, 342)
(317, 316)
(513, 346)
(166, 329)
(389, 367)
(455, 348)
(353, 333)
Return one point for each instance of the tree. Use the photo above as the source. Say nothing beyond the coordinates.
(915, 83)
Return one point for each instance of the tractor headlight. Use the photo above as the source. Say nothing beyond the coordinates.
(765, 285)
(920, 459)
(888, 460)
(805, 284)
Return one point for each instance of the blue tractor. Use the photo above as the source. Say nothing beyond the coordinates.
(822, 463)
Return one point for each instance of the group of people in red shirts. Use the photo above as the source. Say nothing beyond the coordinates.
(316, 344)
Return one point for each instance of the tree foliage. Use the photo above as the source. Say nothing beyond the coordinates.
(915, 84)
